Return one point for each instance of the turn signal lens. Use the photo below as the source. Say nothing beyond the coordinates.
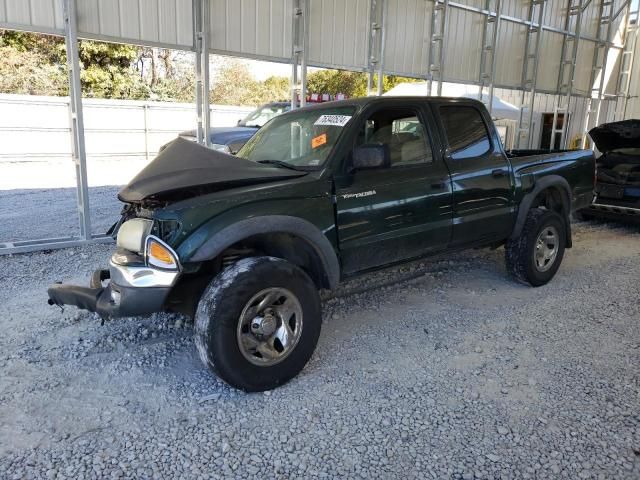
(160, 255)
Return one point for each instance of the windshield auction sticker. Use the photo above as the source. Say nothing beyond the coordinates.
(319, 140)
(333, 120)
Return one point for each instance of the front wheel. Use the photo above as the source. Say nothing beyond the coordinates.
(258, 323)
(535, 255)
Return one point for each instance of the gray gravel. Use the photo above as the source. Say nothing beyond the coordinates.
(31, 214)
(438, 369)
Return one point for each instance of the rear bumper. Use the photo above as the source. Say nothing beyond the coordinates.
(131, 290)
(614, 212)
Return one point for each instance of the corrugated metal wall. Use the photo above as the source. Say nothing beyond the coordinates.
(36, 15)
(145, 22)
(633, 106)
(408, 26)
(462, 60)
(252, 28)
(138, 21)
(338, 32)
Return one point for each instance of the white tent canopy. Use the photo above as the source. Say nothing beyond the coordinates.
(499, 108)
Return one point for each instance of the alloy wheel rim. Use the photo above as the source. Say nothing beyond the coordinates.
(269, 326)
(546, 248)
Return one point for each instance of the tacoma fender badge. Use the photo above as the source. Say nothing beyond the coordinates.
(368, 193)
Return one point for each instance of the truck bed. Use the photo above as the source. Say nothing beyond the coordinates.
(531, 153)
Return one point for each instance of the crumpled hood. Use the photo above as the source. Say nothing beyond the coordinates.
(611, 136)
(185, 165)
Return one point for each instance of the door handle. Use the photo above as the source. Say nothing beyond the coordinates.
(497, 173)
(438, 185)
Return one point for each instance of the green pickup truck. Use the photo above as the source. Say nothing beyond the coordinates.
(244, 243)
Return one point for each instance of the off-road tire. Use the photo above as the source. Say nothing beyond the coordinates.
(519, 251)
(220, 309)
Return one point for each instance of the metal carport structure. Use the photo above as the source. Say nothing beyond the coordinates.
(570, 49)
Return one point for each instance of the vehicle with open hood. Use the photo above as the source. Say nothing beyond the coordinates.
(618, 172)
(244, 244)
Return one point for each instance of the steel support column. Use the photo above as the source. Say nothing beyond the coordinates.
(567, 64)
(437, 45)
(204, 59)
(598, 68)
(305, 52)
(78, 150)
(530, 73)
(299, 52)
(201, 47)
(627, 57)
(383, 36)
(490, 37)
(377, 16)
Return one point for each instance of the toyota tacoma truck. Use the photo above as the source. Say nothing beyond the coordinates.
(244, 243)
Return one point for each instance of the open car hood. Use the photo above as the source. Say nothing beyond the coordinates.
(186, 167)
(611, 136)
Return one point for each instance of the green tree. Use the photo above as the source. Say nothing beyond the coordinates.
(36, 64)
(234, 85)
(352, 84)
(28, 73)
(30, 64)
(108, 71)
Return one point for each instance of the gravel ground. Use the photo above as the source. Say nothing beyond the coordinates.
(438, 369)
(52, 212)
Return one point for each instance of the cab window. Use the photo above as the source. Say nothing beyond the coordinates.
(404, 133)
(466, 131)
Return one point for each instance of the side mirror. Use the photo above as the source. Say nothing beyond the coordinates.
(239, 121)
(371, 156)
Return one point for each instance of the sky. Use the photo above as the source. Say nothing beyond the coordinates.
(263, 70)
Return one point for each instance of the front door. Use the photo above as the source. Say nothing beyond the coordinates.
(390, 214)
(483, 202)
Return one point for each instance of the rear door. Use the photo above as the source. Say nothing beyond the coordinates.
(386, 215)
(481, 174)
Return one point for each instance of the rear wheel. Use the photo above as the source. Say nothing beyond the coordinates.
(258, 322)
(535, 255)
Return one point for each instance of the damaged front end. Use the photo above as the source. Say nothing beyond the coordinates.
(145, 268)
(138, 281)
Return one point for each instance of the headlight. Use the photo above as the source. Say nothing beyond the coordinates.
(132, 233)
(159, 254)
(220, 147)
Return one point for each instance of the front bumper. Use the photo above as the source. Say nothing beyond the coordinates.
(616, 202)
(131, 290)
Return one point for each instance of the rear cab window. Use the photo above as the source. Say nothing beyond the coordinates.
(466, 132)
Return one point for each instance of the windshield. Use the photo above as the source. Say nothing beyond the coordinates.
(300, 139)
(262, 115)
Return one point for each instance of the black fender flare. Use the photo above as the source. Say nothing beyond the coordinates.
(298, 227)
(542, 184)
